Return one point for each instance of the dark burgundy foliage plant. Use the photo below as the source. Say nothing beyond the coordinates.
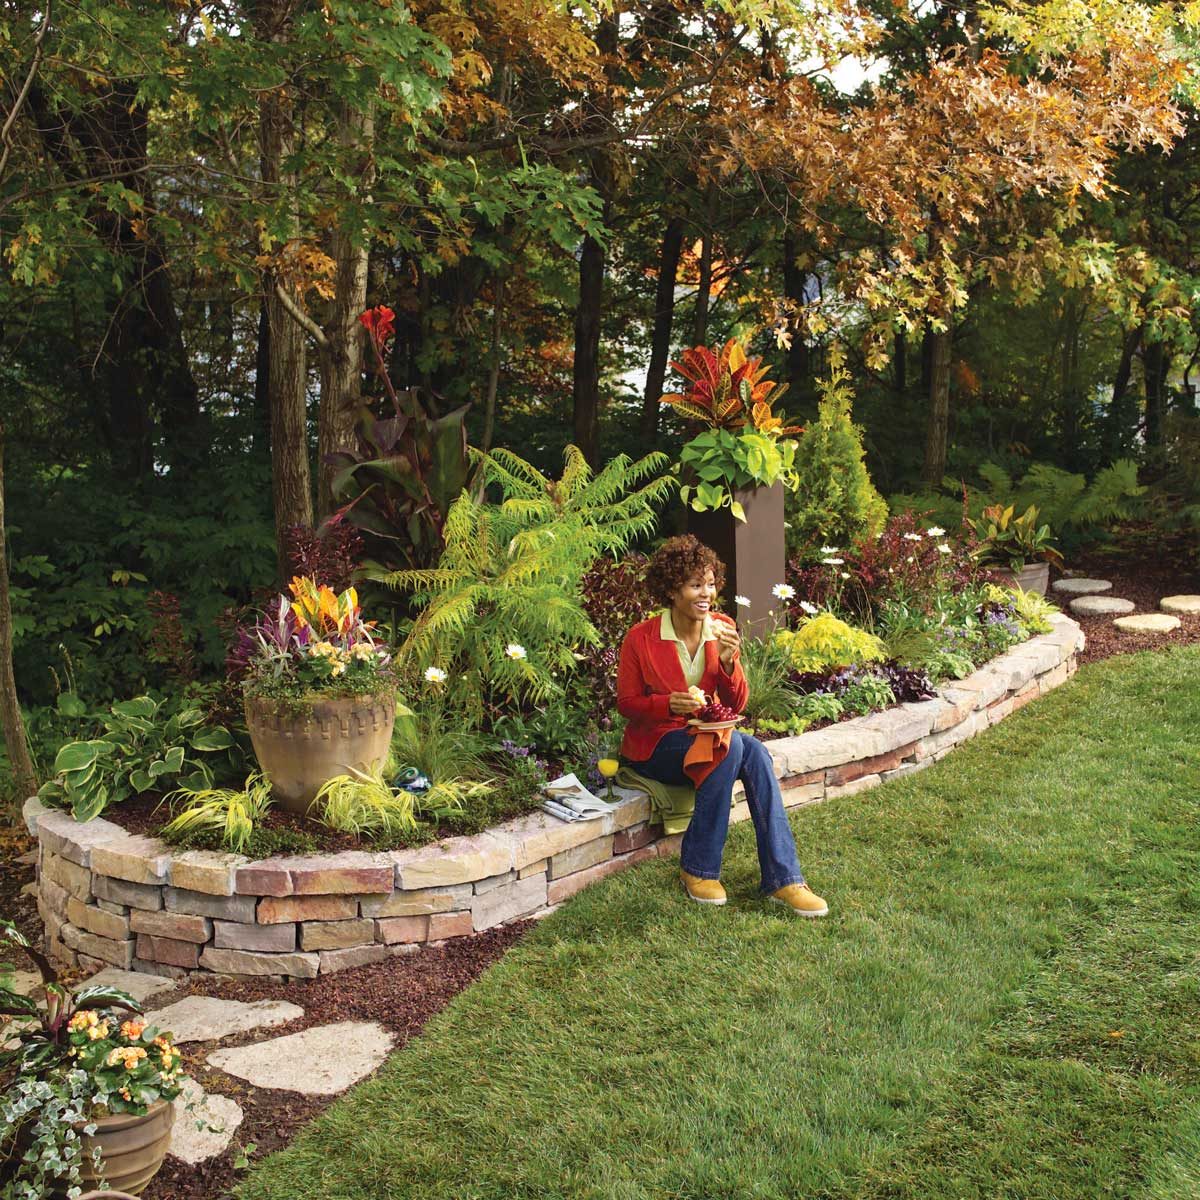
(907, 684)
(615, 596)
(331, 554)
(169, 642)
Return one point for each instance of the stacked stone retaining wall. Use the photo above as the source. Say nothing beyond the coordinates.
(108, 897)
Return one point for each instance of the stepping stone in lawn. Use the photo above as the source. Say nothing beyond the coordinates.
(205, 1018)
(204, 1123)
(1187, 605)
(321, 1061)
(1147, 623)
(140, 987)
(1080, 586)
(1100, 606)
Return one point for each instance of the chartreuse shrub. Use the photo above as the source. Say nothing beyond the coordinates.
(833, 501)
(826, 641)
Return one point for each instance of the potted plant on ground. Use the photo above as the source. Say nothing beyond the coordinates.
(88, 1086)
(736, 469)
(320, 696)
(1016, 548)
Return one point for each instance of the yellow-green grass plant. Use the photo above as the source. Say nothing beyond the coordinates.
(363, 803)
(231, 813)
(1001, 1002)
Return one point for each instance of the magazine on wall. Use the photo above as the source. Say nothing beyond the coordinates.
(569, 800)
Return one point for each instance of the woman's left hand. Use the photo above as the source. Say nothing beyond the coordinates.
(730, 640)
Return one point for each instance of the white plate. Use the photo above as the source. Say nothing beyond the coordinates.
(714, 726)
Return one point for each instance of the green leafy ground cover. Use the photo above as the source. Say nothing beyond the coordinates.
(1002, 1002)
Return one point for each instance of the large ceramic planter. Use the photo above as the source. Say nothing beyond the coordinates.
(131, 1150)
(299, 749)
(1033, 577)
(753, 552)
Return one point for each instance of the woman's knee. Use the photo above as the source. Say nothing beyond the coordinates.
(751, 749)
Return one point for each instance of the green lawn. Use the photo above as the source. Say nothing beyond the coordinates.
(1003, 1002)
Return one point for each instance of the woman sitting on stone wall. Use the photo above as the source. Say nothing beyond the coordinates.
(666, 662)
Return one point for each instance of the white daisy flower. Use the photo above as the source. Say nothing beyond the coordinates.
(833, 562)
(783, 591)
(943, 548)
(435, 675)
(742, 601)
(844, 574)
(811, 609)
(912, 537)
(936, 531)
(514, 651)
(829, 549)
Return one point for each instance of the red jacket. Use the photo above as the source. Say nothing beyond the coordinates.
(650, 670)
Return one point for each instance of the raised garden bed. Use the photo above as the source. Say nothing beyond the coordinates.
(111, 897)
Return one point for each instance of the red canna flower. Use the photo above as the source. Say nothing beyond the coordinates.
(379, 322)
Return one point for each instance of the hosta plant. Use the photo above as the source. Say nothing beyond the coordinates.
(67, 1060)
(144, 748)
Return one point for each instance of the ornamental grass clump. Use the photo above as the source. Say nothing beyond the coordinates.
(313, 642)
(68, 1060)
(231, 814)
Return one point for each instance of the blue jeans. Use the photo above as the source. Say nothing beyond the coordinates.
(704, 841)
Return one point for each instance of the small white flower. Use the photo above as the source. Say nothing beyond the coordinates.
(435, 675)
(811, 609)
(829, 549)
(833, 562)
(514, 651)
(783, 591)
(943, 548)
(910, 559)
(742, 601)
(912, 537)
(936, 531)
(844, 574)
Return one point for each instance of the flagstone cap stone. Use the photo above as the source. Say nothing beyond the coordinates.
(321, 1061)
(205, 1123)
(1186, 605)
(138, 984)
(1101, 606)
(1147, 623)
(207, 1019)
(1080, 586)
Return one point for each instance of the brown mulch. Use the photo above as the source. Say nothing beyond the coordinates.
(1144, 572)
(401, 994)
(15, 906)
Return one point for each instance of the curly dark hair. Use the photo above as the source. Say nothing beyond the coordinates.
(676, 561)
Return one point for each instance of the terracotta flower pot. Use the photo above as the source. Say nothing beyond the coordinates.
(131, 1149)
(300, 749)
(1033, 577)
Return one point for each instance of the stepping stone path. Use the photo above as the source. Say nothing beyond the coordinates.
(140, 987)
(1147, 623)
(321, 1061)
(206, 1019)
(205, 1123)
(1072, 586)
(1100, 606)
(1185, 605)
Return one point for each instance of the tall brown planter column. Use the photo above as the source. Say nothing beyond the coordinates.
(753, 553)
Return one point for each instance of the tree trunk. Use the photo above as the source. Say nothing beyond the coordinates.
(342, 356)
(586, 370)
(1155, 363)
(664, 312)
(939, 408)
(493, 379)
(260, 431)
(291, 486)
(24, 779)
(799, 357)
(704, 289)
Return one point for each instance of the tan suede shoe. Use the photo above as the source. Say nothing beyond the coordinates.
(802, 900)
(703, 891)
